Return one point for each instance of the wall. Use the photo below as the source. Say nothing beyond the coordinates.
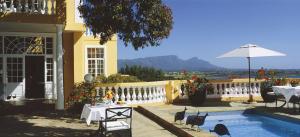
(68, 46)
(80, 41)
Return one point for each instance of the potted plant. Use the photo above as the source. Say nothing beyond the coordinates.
(294, 83)
(197, 88)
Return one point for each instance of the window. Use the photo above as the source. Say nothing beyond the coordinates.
(1, 50)
(14, 70)
(1, 70)
(34, 45)
(49, 66)
(49, 45)
(95, 61)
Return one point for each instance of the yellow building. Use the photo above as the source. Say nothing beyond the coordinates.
(45, 49)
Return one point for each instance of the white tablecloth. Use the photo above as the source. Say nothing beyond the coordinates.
(287, 91)
(95, 113)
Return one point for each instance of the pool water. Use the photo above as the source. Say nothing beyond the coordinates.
(245, 124)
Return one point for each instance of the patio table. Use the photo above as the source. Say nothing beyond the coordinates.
(96, 113)
(286, 91)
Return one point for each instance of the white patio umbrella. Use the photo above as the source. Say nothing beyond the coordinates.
(249, 51)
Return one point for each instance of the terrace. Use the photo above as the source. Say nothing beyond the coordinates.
(152, 101)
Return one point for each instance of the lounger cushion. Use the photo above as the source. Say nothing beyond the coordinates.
(116, 125)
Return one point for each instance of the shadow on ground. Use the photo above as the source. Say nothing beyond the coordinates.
(11, 126)
(15, 122)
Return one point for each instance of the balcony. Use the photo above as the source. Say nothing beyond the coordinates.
(44, 7)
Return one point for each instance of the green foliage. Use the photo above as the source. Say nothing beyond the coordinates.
(116, 78)
(139, 22)
(144, 73)
(82, 93)
(85, 93)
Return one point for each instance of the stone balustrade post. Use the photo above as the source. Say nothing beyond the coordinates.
(117, 97)
(133, 95)
(46, 7)
(26, 6)
(122, 93)
(140, 97)
(155, 94)
(32, 6)
(12, 8)
(164, 94)
(128, 96)
(52, 7)
(145, 95)
(150, 94)
(19, 7)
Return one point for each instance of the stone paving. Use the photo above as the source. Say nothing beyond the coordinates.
(53, 124)
(41, 120)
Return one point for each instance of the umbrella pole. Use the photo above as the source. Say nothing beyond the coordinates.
(249, 86)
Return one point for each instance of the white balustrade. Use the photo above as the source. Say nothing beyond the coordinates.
(234, 89)
(136, 94)
(28, 6)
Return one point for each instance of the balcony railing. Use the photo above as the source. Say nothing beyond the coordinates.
(136, 93)
(229, 89)
(46, 7)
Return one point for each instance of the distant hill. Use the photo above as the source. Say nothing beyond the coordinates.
(170, 63)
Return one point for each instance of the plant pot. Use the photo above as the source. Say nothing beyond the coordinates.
(198, 98)
(294, 85)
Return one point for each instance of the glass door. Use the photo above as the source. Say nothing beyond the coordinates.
(14, 77)
(1, 79)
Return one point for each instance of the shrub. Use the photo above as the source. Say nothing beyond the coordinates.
(85, 93)
(197, 89)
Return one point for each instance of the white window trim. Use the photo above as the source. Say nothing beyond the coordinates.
(86, 58)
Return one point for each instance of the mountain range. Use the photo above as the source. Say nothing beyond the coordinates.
(170, 63)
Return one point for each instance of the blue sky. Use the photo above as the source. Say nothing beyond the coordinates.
(209, 28)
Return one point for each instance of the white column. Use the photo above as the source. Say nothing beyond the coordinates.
(59, 68)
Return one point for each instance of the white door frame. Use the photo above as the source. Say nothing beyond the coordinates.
(53, 55)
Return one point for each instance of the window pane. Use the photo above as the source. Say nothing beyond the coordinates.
(49, 72)
(1, 50)
(95, 63)
(49, 45)
(14, 71)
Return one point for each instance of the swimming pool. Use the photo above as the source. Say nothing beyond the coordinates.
(251, 124)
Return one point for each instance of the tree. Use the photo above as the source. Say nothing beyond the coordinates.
(141, 23)
(144, 73)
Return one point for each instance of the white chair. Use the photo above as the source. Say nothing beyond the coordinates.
(116, 119)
